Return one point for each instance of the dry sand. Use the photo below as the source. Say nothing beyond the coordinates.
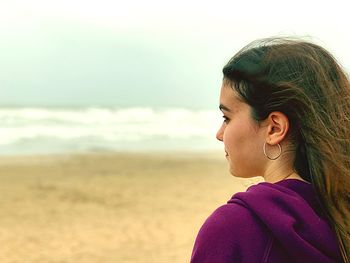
(109, 207)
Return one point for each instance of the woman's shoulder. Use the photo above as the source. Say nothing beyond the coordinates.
(267, 197)
(282, 212)
(228, 217)
(239, 213)
(227, 233)
(246, 216)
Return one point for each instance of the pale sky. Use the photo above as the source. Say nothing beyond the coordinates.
(144, 53)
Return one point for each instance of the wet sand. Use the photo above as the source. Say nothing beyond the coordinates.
(110, 207)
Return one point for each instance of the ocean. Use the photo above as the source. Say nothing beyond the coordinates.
(39, 130)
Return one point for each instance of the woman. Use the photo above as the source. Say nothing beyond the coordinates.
(286, 106)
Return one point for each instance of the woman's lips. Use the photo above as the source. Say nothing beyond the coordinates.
(226, 153)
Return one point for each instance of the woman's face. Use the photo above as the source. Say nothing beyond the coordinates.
(242, 137)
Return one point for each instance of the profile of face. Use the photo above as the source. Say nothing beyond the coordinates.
(242, 137)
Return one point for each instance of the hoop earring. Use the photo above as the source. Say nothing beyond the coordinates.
(264, 149)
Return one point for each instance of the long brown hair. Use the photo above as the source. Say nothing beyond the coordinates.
(306, 83)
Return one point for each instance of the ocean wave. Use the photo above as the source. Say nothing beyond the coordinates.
(106, 126)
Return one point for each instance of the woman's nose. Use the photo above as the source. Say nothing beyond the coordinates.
(219, 133)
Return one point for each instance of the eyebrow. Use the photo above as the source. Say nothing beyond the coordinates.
(223, 107)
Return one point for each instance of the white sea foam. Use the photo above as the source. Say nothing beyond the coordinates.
(52, 129)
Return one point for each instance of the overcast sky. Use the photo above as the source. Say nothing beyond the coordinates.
(144, 53)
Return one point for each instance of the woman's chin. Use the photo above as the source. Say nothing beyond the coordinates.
(234, 173)
(238, 174)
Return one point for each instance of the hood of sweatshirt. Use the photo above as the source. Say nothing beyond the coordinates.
(291, 212)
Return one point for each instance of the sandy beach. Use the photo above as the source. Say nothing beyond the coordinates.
(109, 207)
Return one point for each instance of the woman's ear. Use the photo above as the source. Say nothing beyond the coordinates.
(277, 127)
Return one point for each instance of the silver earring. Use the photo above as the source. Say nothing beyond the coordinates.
(264, 149)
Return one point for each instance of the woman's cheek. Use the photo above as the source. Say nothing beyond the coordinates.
(227, 139)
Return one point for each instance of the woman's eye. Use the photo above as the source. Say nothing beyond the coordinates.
(225, 119)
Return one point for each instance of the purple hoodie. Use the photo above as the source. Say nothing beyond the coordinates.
(278, 222)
